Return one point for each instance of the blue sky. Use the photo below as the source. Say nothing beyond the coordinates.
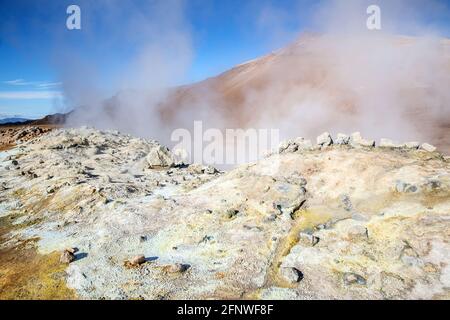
(38, 54)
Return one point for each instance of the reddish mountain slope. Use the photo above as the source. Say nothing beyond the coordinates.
(388, 86)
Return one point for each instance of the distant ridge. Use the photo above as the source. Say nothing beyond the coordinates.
(13, 120)
(53, 119)
(57, 119)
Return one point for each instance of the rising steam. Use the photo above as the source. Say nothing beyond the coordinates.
(343, 78)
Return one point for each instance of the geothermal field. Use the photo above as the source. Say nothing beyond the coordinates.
(225, 150)
(99, 214)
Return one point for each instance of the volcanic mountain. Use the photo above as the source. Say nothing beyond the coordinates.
(381, 85)
(392, 86)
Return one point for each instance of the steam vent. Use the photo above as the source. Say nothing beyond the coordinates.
(97, 214)
(223, 156)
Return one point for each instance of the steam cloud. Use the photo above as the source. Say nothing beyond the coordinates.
(344, 78)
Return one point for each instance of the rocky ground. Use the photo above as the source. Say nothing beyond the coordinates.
(12, 134)
(92, 214)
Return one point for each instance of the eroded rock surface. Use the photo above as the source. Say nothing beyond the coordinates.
(323, 221)
(10, 135)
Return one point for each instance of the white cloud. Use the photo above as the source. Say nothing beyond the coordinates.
(49, 84)
(36, 84)
(17, 82)
(26, 95)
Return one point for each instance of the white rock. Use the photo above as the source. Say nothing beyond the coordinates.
(209, 170)
(294, 145)
(342, 138)
(428, 147)
(356, 140)
(298, 140)
(357, 231)
(293, 275)
(305, 145)
(411, 145)
(159, 157)
(308, 239)
(388, 143)
(324, 139)
(283, 146)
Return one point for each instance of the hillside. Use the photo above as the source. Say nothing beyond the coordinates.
(387, 86)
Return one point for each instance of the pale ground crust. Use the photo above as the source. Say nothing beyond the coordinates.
(335, 222)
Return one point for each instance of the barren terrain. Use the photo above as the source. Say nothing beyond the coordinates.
(333, 218)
